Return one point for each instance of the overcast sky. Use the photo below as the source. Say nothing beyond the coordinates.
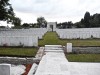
(54, 10)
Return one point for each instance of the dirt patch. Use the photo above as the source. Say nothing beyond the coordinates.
(28, 67)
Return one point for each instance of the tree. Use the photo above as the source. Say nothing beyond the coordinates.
(95, 20)
(86, 20)
(82, 21)
(7, 13)
(69, 24)
(26, 25)
(16, 21)
(59, 25)
(6, 10)
(78, 25)
(41, 22)
(64, 25)
(89, 21)
(34, 25)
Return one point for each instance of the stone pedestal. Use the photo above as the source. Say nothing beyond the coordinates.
(5, 69)
(69, 47)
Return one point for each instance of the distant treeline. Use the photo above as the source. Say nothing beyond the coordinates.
(89, 21)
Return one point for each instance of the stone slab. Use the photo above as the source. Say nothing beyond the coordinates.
(53, 45)
(54, 51)
(83, 68)
(5, 69)
(69, 47)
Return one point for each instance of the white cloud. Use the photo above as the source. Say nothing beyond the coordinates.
(54, 10)
(26, 17)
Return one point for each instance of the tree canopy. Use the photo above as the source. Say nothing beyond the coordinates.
(7, 13)
(6, 10)
(86, 19)
(89, 21)
(64, 25)
(41, 22)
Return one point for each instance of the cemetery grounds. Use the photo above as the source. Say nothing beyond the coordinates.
(51, 38)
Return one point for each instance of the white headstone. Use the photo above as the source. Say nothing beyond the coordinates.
(5, 69)
(69, 47)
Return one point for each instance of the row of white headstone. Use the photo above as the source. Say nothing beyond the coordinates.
(21, 37)
(80, 33)
(39, 32)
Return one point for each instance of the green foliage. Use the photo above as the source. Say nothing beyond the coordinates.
(34, 25)
(30, 25)
(41, 22)
(64, 25)
(16, 21)
(83, 57)
(69, 24)
(6, 10)
(86, 20)
(95, 20)
(7, 13)
(78, 25)
(26, 25)
(89, 21)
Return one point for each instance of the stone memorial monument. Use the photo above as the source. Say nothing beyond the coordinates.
(51, 26)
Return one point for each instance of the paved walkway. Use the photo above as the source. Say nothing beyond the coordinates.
(54, 62)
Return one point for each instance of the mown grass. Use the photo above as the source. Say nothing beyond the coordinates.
(20, 52)
(83, 57)
(51, 38)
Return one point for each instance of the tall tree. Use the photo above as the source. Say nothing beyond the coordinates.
(95, 20)
(6, 10)
(41, 22)
(86, 19)
(16, 21)
(69, 24)
(7, 13)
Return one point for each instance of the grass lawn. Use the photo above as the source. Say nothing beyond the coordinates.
(51, 38)
(18, 51)
(83, 57)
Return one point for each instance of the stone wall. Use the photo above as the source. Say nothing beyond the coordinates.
(86, 50)
(15, 60)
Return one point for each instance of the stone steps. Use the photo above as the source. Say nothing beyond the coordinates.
(53, 48)
(52, 60)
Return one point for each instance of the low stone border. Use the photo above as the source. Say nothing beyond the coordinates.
(91, 49)
(15, 60)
